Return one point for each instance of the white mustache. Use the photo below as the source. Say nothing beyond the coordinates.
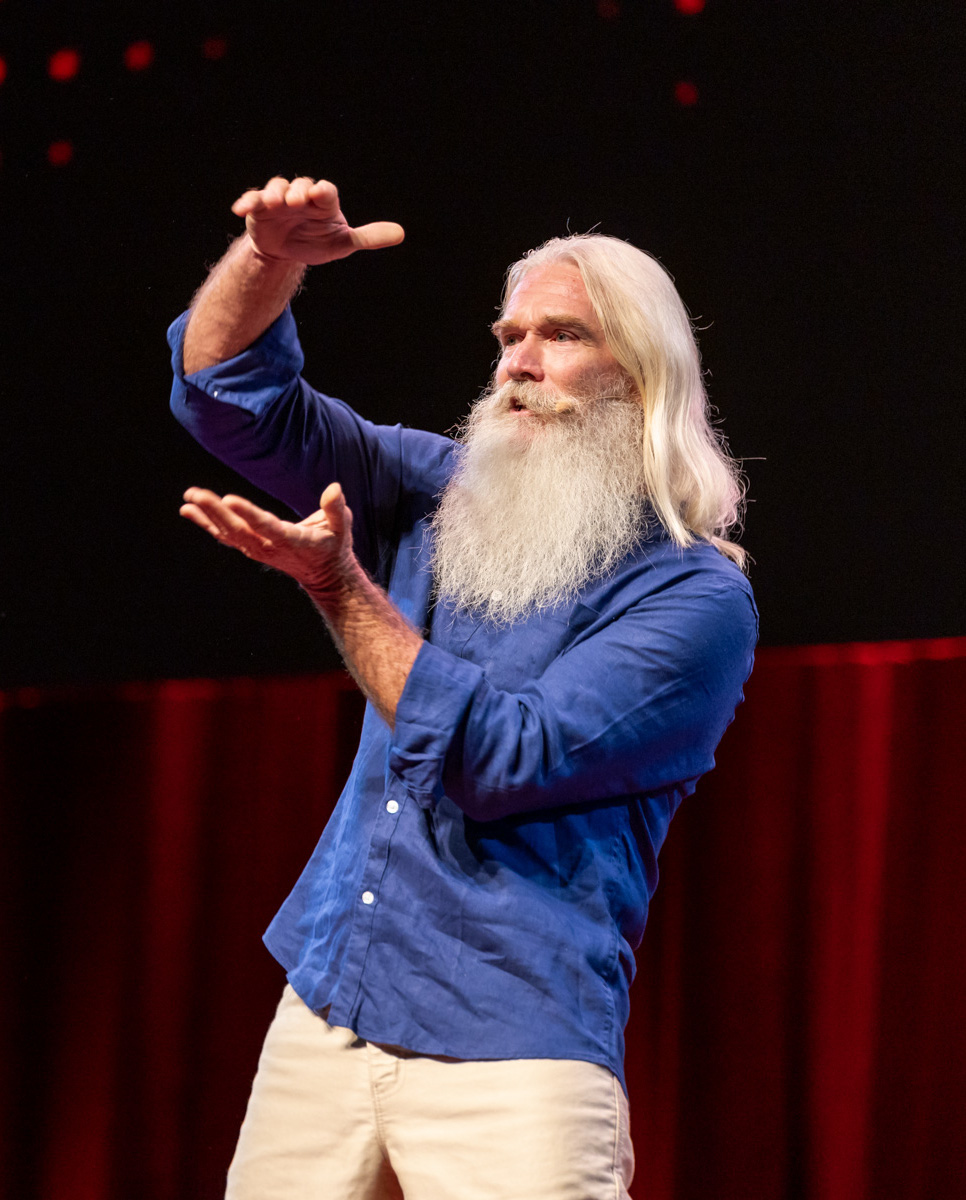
(545, 400)
(536, 398)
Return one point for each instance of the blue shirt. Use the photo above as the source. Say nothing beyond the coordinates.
(484, 879)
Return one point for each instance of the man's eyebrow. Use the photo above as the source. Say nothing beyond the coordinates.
(553, 321)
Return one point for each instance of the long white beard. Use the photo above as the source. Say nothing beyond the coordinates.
(540, 503)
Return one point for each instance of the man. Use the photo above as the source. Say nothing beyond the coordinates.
(552, 632)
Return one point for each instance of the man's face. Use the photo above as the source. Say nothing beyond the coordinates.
(549, 487)
(550, 337)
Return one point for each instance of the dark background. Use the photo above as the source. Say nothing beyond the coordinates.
(807, 206)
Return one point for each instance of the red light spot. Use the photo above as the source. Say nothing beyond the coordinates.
(3, 69)
(608, 10)
(63, 64)
(59, 154)
(686, 93)
(139, 56)
(214, 48)
(690, 7)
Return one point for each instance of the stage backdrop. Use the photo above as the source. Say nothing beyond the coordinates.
(798, 1024)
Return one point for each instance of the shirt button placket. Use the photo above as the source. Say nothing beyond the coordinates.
(366, 910)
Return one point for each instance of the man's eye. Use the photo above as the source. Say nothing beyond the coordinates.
(562, 335)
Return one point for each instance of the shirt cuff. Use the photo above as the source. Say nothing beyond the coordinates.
(252, 380)
(429, 716)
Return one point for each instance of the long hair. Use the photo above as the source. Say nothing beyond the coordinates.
(694, 485)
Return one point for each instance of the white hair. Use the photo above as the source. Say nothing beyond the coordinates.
(693, 484)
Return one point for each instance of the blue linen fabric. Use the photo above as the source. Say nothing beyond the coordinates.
(484, 880)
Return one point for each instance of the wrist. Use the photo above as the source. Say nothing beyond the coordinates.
(333, 593)
(270, 261)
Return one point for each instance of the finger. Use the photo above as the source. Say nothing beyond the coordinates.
(230, 527)
(325, 195)
(273, 193)
(258, 199)
(201, 497)
(377, 235)
(266, 524)
(248, 202)
(193, 513)
(332, 504)
(297, 192)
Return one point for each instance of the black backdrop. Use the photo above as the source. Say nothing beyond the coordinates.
(807, 206)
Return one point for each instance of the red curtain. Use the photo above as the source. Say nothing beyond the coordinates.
(797, 1031)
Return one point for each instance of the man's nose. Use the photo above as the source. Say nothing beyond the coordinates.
(524, 361)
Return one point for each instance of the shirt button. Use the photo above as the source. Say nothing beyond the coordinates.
(392, 806)
(497, 595)
(367, 897)
(216, 393)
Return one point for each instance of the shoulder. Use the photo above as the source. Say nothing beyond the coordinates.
(659, 566)
(428, 457)
(689, 600)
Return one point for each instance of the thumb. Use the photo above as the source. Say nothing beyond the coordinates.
(377, 235)
(332, 503)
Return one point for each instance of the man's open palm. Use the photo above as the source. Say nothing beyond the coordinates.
(314, 552)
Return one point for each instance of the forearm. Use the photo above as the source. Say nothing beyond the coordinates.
(376, 642)
(242, 296)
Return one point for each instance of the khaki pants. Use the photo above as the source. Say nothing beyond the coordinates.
(332, 1117)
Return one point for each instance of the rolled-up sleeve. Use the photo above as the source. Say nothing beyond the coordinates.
(252, 381)
(637, 706)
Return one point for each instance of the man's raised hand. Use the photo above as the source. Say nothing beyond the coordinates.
(301, 221)
(317, 552)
